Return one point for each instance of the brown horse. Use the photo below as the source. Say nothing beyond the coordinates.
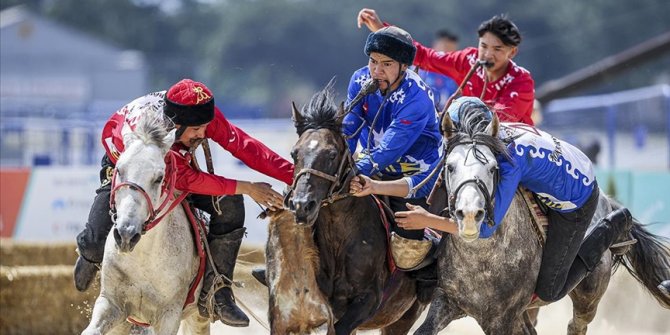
(352, 271)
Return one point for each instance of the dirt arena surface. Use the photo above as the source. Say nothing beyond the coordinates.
(37, 296)
(625, 310)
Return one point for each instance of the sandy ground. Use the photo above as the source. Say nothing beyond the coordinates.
(626, 309)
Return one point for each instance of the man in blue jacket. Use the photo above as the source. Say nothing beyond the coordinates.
(397, 126)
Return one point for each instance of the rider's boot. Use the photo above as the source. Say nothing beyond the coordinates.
(84, 273)
(614, 227)
(425, 272)
(224, 249)
(91, 241)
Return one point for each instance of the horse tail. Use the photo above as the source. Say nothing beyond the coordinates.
(648, 261)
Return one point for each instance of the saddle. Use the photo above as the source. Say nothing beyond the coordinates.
(538, 213)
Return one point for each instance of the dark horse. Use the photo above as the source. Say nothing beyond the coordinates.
(493, 279)
(353, 273)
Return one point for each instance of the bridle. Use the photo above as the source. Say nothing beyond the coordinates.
(481, 186)
(167, 189)
(338, 182)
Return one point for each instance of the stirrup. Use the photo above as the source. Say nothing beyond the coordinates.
(622, 248)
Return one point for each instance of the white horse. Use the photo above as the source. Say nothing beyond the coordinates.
(493, 279)
(146, 282)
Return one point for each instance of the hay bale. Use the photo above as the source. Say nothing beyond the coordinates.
(39, 253)
(36, 253)
(38, 296)
(43, 300)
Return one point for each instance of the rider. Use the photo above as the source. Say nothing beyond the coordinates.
(562, 178)
(508, 87)
(190, 105)
(396, 126)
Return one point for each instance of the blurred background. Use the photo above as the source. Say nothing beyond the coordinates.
(601, 69)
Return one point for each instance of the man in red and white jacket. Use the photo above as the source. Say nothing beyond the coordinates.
(506, 86)
(190, 105)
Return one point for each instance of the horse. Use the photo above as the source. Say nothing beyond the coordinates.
(492, 280)
(147, 267)
(349, 232)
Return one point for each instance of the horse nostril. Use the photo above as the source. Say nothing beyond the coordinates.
(117, 236)
(310, 206)
(459, 214)
(479, 215)
(135, 239)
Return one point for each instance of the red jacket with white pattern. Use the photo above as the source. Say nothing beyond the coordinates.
(241, 145)
(513, 93)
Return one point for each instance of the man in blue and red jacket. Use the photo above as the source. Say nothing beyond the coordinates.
(190, 105)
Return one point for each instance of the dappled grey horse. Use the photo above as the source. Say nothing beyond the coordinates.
(147, 281)
(492, 280)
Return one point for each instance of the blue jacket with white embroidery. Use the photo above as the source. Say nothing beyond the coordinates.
(405, 140)
(560, 174)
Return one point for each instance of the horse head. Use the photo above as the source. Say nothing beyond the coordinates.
(471, 168)
(139, 177)
(321, 156)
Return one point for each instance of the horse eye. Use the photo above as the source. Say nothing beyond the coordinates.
(294, 154)
(332, 156)
(158, 179)
(493, 169)
(450, 168)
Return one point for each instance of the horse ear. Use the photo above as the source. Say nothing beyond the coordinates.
(494, 125)
(127, 135)
(447, 126)
(169, 139)
(297, 117)
(340, 113)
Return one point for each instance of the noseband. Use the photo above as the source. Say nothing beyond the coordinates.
(481, 186)
(338, 179)
(167, 189)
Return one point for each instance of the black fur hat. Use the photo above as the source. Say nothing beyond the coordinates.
(392, 42)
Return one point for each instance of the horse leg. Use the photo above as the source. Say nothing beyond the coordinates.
(586, 296)
(169, 321)
(406, 321)
(509, 323)
(361, 309)
(106, 316)
(531, 316)
(195, 324)
(441, 312)
(530, 321)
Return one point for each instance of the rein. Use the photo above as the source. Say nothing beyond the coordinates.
(167, 190)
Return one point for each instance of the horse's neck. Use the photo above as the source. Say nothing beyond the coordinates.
(167, 233)
(331, 217)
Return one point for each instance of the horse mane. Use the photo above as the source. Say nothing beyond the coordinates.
(153, 127)
(473, 129)
(321, 112)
